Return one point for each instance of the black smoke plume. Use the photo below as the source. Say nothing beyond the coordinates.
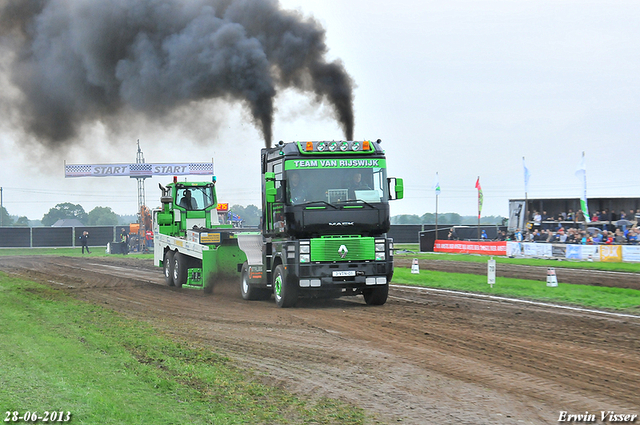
(77, 61)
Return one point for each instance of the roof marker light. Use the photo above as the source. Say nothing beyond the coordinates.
(309, 146)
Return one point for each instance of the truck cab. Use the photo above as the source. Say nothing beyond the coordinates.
(325, 217)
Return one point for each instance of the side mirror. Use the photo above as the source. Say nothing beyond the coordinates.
(398, 188)
(270, 187)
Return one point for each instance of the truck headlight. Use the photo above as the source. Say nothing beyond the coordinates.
(380, 247)
(304, 258)
(380, 256)
(305, 249)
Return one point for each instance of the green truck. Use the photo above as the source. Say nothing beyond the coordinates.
(325, 216)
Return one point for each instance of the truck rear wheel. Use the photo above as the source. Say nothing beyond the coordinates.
(286, 293)
(377, 295)
(250, 292)
(168, 267)
(180, 269)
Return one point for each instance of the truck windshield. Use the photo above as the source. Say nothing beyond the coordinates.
(336, 185)
(195, 197)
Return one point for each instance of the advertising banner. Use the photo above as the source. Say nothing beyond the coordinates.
(469, 247)
(631, 253)
(611, 253)
(137, 169)
(514, 249)
(590, 252)
(574, 252)
(537, 250)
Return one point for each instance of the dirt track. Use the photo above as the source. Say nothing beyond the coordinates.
(423, 357)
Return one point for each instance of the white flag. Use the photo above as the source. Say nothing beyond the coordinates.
(436, 185)
(527, 175)
(581, 174)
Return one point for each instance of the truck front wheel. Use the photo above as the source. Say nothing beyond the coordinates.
(168, 267)
(285, 292)
(377, 295)
(250, 292)
(180, 269)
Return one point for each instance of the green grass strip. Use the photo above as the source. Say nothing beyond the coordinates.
(474, 258)
(578, 295)
(60, 354)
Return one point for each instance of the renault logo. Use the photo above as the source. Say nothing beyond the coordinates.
(342, 251)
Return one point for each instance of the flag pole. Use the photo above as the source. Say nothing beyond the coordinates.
(526, 200)
(437, 193)
(479, 210)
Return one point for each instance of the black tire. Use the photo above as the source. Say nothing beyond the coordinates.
(250, 292)
(285, 291)
(168, 267)
(377, 295)
(180, 269)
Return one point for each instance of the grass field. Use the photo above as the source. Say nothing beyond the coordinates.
(411, 251)
(620, 299)
(64, 355)
(59, 354)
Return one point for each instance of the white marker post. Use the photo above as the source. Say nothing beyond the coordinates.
(415, 268)
(552, 280)
(491, 272)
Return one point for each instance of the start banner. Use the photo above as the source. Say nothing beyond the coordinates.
(137, 169)
(469, 247)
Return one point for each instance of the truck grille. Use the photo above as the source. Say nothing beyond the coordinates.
(328, 248)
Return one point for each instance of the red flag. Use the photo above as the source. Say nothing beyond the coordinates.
(479, 197)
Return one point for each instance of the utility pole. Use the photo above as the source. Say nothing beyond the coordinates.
(141, 195)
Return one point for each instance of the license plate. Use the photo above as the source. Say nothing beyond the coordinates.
(344, 273)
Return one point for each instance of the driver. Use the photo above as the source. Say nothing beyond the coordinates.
(187, 202)
(356, 183)
(297, 191)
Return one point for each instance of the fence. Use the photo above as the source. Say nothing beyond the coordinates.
(50, 237)
(57, 237)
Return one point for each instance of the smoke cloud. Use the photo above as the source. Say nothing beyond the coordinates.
(80, 61)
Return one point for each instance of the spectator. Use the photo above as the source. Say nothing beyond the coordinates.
(571, 215)
(605, 216)
(572, 236)
(544, 218)
(537, 219)
(606, 237)
(580, 216)
(595, 216)
(453, 236)
(518, 235)
(536, 235)
(597, 237)
(561, 236)
(619, 238)
(550, 236)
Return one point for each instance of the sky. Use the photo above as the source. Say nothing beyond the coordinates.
(464, 89)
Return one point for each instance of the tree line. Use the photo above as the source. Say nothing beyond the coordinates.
(99, 216)
(104, 216)
(447, 218)
(250, 216)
